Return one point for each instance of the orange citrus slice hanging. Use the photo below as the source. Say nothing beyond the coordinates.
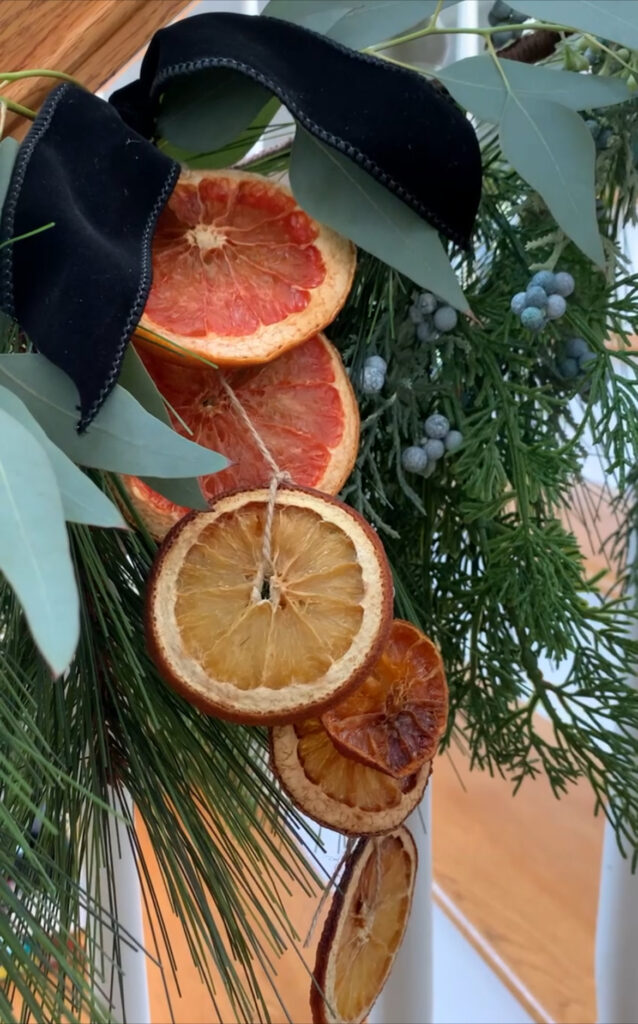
(240, 272)
(393, 722)
(336, 791)
(268, 652)
(301, 405)
(364, 928)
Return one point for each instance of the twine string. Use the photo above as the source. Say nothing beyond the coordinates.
(3, 116)
(278, 477)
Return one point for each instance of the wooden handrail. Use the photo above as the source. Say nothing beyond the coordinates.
(89, 39)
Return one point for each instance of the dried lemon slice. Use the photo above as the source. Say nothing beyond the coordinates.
(335, 790)
(297, 643)
(364, 928)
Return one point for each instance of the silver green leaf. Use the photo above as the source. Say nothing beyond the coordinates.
(82, 501)
(8, 153)
(373, 22)
(334, 190)
(552, 149)
(479, 86)
(318, 15)
(123, 438)
(207, 111)
(611, 19)
(34, 547)
(136, 379)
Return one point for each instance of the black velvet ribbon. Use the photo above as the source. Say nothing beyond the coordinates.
(79, 289)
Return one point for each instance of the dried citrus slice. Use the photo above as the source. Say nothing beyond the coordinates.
(240, 272)
(275, 652)
(157, 513)
(393, 722)
(364, 928)
(301, 405)
(335, 790)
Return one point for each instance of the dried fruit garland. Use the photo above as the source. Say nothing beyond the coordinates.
(278, 602)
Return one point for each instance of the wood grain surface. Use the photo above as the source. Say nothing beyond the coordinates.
(89, 39)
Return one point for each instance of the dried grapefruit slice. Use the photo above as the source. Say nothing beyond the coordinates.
(302, 406)
(157, 513)
(393, 722)
(240, 272)
(335, 790)
(294, 645)
(364, 928)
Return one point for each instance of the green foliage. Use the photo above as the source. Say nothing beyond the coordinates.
(611, 19)
(8, 153)
(34, 549)
(209, 110)
(338, 192)
(123, 438)
(222, 834)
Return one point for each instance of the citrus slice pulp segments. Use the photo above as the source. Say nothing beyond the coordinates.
(309, 634)
(240, 272)
(394, 720)
(364, 928)
(335, 790)
(301, 405)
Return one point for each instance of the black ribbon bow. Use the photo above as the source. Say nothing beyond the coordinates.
(79, 289)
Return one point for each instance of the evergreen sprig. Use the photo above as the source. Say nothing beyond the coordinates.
(483, 558)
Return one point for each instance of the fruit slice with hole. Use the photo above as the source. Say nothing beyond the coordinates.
(364, 928)
(240, 272)
(335, 790)
(302, 406)
(393, 722)
(271, 653)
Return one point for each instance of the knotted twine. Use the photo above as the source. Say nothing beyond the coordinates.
(278, 477)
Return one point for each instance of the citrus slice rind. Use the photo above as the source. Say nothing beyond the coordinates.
(302, 406)
(395, 719)
(240, 272)
(159, 514)
(364, 928)
(318, 626)
(336, 791)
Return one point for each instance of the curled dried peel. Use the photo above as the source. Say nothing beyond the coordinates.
(394, 720)
(364, 928)
(336, 791)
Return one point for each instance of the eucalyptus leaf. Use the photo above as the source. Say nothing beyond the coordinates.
(241, 145)
(552, 149)
(8, 153)
(34, 547)
(611, 19)
(123, 438)
(82, 501)
(374, 21)
(334, 190)
(136, 379)
(319, 15)
(207, 110)
(479, 86)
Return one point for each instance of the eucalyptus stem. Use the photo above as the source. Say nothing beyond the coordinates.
(18, 108)
(432, 30)
(14, 76)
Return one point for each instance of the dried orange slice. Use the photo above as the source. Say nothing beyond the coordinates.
(393, 722)
(364, 928)
(336, 791)
(301, 405)
(273, 653)
(240, 272)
